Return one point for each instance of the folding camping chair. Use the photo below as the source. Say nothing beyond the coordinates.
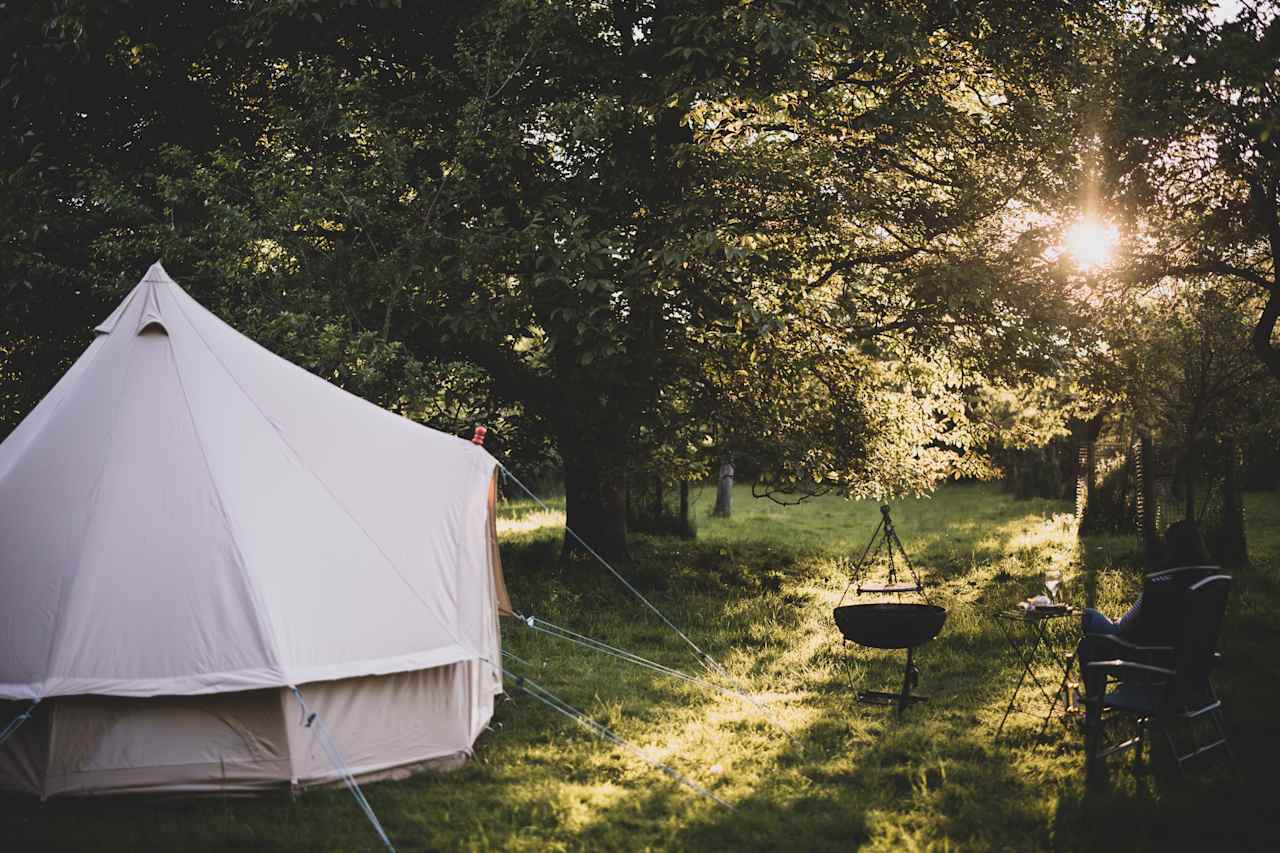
(1170, 688)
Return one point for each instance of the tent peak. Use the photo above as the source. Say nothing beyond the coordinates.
(146, 290)
(151, 317)
(157, 275)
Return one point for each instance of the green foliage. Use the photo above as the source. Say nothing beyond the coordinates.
(1178, 362)
(1193, 159)
(613, 220)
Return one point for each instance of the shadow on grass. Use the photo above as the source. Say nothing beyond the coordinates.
(860, 769)
(849, 776)
(900, 784)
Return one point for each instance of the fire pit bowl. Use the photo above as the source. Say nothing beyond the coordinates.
(889, 625)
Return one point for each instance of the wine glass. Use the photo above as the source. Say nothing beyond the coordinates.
(1052, 580)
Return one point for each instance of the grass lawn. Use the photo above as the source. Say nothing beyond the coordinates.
(819, 771)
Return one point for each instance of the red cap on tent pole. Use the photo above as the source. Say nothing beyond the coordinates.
(478, 438)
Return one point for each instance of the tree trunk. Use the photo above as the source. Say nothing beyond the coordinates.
(1232, 547)
(1086, 434)
(595, 500)
(1091, 475)
(1018, 478)
(1086, 476)
(1264, 201)
(724, 491)
(1189, 483)
(1082, 482)
(1263, 331)
(685, 527)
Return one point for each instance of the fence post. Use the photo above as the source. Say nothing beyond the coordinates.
(1148, 504)
(1085, 461)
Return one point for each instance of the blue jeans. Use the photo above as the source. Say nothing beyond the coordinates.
(1095, 622)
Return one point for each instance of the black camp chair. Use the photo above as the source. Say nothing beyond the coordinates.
(1149, 639)
(1171, 687)
(1159, 618)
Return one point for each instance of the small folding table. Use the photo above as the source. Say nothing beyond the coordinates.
(1041, 638)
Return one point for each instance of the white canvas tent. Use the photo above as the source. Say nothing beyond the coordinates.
(190, 525)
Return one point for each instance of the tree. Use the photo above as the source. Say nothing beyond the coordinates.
(796, 228)
(1184, 377)
(81, 97)
(724, 491)
(1196, 160)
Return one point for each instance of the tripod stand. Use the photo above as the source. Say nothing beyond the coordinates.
(889, 625)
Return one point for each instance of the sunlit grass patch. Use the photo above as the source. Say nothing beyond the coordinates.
(813, 770)
(528, 522)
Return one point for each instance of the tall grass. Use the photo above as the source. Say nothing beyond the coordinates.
(812, 771)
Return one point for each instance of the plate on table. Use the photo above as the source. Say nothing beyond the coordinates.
(1041, 606)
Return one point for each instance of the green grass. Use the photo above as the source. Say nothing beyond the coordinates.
(819, 772)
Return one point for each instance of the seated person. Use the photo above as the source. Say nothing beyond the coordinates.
(1152, 620)
(1155, 617)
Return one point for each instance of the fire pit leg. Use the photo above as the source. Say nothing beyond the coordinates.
(910, 678)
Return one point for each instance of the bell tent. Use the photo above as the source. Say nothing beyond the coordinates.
(196, 534)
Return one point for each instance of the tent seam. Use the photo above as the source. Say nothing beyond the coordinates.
(263, 613)
(114, 316)
(325, 486)
(372, 407)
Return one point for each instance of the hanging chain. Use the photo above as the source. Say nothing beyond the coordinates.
(884, 547)
(914, 577)
(889, 538)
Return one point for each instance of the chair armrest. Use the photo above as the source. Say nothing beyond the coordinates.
(1121, 641)
(1120, 668)
(1109, 646)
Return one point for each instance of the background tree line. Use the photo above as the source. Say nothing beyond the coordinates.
(634, 238)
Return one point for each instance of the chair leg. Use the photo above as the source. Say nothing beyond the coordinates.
(1220, 724)
(1143, 726)
(1173, 749)
(1095, 769)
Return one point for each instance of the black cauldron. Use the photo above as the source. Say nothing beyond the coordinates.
(889, 625)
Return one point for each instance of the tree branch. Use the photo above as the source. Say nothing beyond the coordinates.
(1263, 331)
(1264, 203)
(1209, 267)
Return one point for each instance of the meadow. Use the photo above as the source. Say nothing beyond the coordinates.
(806, 768)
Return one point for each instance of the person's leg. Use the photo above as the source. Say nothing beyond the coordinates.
(1092, 647)
(1093, 685)
(1095, 622)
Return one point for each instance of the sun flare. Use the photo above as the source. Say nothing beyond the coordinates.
(1091, 243)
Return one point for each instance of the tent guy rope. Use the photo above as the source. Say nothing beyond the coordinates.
(335, 757)
(554, 702)
(17, 721)
(702, 656)
(544, 627)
